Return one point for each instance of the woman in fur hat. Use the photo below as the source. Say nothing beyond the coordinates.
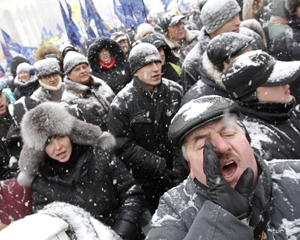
(51, 85)
(68, 160)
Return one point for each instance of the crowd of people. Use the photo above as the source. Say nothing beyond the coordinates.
(187, 129)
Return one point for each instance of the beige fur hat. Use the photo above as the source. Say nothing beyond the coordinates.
(45, 120)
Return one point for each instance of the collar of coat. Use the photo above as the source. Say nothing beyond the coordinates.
(189, 36)
(212, 71)
(81, 88)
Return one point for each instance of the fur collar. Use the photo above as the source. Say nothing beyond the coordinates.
(50, 88)
(189, 36)
(212, 71)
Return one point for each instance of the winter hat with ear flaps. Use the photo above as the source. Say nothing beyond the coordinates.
(73, 59)
(142, 54)
(48, 119)
(257, 68)
(226, 45)
(215, 13)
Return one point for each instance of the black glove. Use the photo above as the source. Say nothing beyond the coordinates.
(125, 229)
(235, 201)
(168, 178)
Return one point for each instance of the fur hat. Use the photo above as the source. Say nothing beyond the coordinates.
(143, 30)
(73, 59)
(119, 36)
(215, 14)
(25, 67)
(46, 67)
(45, 120)
(44, 50)
(142, 54)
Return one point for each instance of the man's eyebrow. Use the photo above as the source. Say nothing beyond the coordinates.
(198, 137)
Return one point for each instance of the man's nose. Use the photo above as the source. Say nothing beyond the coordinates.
(220, 144)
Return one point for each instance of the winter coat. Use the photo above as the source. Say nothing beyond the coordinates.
(283, 31)
(94, 99)
(15, 201)
(210, 82)
(262, 15)
(117, 77)
(182, 48)
(139, 120)
(93, 179)
(46, 93)
(274, 129)
(5, 170)
(25, 89)
(190, 67)
(185, 212)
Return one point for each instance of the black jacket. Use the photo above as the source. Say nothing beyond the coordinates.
(93, 179)
(120, 75)
(140, 120)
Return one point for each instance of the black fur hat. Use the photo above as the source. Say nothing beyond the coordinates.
(45, 120)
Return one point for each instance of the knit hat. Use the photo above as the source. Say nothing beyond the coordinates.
(199, 112)
(225, 46)
(215, 13)
(25, 67)
(42, 122)
(143, 30)
(170, 19)
(118, 36)
(46, 67)
(73, 59)
(142, 54)
(257, 68)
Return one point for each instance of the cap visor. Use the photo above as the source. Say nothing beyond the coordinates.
(283, 73)
(175, 20)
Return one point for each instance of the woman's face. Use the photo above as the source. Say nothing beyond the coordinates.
(104, 55)
(24, 76)
(297, 11)
(59, 147)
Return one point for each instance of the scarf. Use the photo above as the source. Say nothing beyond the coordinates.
(108, 65)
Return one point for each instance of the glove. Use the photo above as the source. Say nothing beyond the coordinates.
(235, 201)
(125, 229)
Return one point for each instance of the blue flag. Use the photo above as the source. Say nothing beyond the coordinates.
(72, 24)
(7, 54)
(2, 70)
(13, 46)
(46, 34)
(166, 3)
(89, 31)
(59, 29)
(93, 14)
(73, 38)
(139, 10)
(127, 9)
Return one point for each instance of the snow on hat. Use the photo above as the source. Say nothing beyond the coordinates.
(73, 59)
(170, 19)
(118, 36)
(143, 30)
(257, 68)
(46, 67)
(25, 67)
(226, 45)
(215, 13)
(46, 120)
(142, 54)
(199, 112)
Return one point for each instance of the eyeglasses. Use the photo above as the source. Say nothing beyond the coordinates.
(47, 77)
